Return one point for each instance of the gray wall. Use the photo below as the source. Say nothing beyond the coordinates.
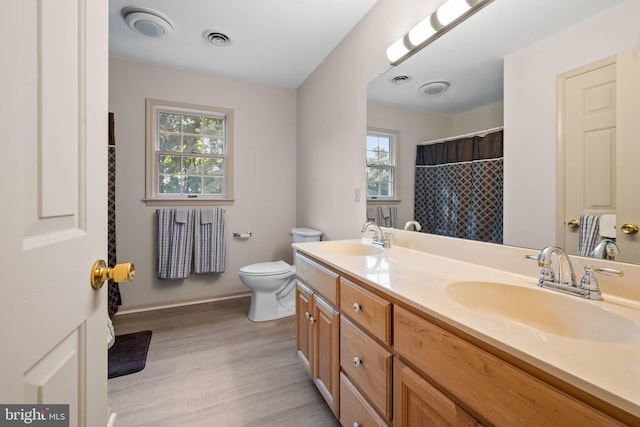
(265, 176)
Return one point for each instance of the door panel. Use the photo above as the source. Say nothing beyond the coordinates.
(589, 123)
(53, 113)
(628, 153)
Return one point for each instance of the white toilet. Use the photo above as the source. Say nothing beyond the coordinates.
(272, 284)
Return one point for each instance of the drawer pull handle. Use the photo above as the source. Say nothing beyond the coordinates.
(357, 307)
(356, 424)
(357, 361)
(312, 320)
(307, 315)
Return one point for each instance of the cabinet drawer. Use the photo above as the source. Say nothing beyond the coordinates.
(368, 310)
(492, 388)
(354, 409)
(321, 279)
(367, 365)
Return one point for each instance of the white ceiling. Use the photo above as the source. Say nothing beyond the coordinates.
(278, 42)
(470, 57)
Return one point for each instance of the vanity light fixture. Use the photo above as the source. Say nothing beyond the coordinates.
(444, 18)
(146, 22)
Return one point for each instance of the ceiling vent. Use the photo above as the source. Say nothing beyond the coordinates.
(146, 22)
(434, 88)
(217, 38)
(400, 80)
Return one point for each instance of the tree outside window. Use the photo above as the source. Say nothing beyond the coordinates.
(381, 165)
(190, 151)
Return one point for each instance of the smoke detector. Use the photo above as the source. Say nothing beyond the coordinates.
(216, 38)
(147, 22)
(434, 88)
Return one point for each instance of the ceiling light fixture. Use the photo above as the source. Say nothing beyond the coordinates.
(433, 89)
(146, 22)
(447, 16)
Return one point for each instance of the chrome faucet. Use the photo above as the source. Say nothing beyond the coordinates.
(565, 268)
(566, 278)
(605, 249)
(416, 225)
(379, 238)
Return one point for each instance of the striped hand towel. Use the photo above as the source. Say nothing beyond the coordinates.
(209, 247)
(175, 243)
(589, 234)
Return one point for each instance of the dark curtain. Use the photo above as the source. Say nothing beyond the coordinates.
(459, 188)
(114, 290)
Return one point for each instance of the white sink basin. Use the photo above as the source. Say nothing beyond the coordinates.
(546, 311)
(352, 248)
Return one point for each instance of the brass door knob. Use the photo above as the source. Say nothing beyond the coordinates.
(119, 273)
(573, 224)
(629, 228)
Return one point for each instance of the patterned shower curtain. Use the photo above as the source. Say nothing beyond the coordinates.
(114, 299)
(459, 187)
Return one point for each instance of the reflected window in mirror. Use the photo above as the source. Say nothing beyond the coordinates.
(382, 182)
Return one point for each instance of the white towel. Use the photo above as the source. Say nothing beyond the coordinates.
(589, 234)
(608, 226)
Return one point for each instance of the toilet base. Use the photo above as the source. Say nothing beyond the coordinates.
(266, 306)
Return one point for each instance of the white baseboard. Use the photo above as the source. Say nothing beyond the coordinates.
(151, 307)
(112, 418)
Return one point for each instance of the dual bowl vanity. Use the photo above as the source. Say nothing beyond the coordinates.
(398, 336)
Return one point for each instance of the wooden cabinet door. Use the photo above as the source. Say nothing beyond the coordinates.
(304, 299)
(325, 364)
(418, 404)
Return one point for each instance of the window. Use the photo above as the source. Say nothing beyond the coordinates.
(189, 152)
(381, 165)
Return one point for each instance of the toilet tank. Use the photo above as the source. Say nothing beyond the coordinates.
(300, 235)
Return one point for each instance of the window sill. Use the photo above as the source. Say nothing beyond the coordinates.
(188, 202)
(384, 201)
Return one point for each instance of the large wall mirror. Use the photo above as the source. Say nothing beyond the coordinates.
(504, 67)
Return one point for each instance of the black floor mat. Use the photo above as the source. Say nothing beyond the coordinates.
(129, 353)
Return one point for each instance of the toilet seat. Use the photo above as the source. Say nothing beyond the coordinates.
(266, 269)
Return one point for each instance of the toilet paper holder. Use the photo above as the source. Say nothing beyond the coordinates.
(244, 235)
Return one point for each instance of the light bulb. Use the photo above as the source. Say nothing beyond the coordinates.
(451, 10)
(421, 32)
(397, 50)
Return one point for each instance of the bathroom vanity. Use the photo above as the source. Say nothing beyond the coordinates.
(391, 339)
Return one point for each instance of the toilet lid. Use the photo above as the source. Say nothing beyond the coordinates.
(265, 268)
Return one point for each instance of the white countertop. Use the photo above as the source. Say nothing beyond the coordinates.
(607, 370)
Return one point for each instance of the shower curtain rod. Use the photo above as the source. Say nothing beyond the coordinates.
(466, 135)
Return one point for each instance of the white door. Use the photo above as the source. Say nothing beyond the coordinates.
(628, 170)
(53, 139)
(588, 123)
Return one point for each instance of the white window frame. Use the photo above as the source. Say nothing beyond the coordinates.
(152, 195)
(393, 164)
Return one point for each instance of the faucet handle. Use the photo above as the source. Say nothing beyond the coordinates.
(590, 269)
(590, 283)
(546, 274)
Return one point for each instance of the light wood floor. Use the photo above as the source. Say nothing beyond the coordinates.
(209, 365)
